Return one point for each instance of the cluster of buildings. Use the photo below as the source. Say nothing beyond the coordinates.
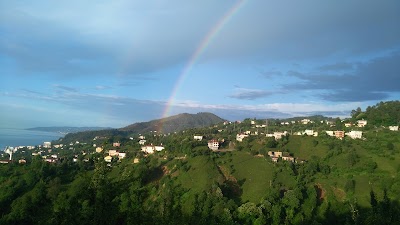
(285, 156)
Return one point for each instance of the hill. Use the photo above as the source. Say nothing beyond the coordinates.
(381, 114)
(175, 123)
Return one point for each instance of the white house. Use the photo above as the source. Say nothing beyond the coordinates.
(305, 121)
(354, 134)
(113, 153)
(348, 124)
(142, 142)
(108, 158)
(394, 128)
(198, 137)
(121, 155)
(311, 133)
(276, 135)
(46, 144)
(213, 145)
(361, 123)
(150, 149)
(240, 137)
(99, 149)
(330, 133)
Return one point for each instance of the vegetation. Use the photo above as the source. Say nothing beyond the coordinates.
(338, 181)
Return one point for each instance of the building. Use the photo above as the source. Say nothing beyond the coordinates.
(348, 124)
(150, 149)
(198, 137)
(142, 142)
(275, 154)
(305, 121)
(240, 137)
(213, 145)
(311, 133)
(116, 144)
(288, 158)
(113, 153)
(121, 155)
(330, 133)
(354, 134)
(46, 144)
(99, 149)
(394, 128)
(339, 134)
(108, 158)
(361, 123)
(277, 135)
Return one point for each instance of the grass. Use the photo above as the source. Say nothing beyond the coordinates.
(253, 173)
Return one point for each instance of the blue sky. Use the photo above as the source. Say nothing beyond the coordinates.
(113, 63)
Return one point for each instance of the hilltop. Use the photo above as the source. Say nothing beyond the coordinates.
(175, 123)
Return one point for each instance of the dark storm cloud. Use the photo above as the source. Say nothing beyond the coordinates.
(372, 80)
(250, 94)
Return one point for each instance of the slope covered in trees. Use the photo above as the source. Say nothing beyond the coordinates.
(381, 114)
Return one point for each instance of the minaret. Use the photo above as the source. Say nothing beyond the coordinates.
(11, 152)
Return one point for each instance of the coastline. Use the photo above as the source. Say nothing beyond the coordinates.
(22, 137)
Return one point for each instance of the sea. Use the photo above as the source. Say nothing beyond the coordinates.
(21, 137)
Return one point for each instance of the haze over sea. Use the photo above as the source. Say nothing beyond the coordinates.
(21, 137)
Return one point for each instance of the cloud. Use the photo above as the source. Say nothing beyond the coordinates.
(340, 66)
(250, 94)
(376, 79)
(136, 37)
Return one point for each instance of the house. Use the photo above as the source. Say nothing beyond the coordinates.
(108, 158)
(275, 154)
(213, 144)
(113, 153)
(361, 123)
(339, 134)
(253, 122)
(22, 161)
(135, 160)
(142, 142)
(99, 149)
(116, 144)
(277, 135)
(150, 149)
(121, 155)
(311, 133)
(198, 137)
(394, 128)
(348, 124)
(354, 134)
(240, 137)
(305, 121)
(330, 133)
(274, 159)
(46, 144)
(288, 158)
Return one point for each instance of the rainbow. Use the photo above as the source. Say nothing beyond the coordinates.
(197, 53)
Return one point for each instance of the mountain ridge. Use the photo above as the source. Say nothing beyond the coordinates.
(175, 123)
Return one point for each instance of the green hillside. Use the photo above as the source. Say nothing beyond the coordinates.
(331, 181)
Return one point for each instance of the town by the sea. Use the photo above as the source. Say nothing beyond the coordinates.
(21, 137)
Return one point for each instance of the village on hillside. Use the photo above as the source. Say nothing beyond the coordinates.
(227, 136)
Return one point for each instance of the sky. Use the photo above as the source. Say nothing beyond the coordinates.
(113, 63)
